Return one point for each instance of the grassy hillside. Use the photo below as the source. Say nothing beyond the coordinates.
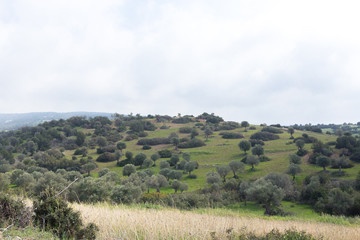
(221, 151)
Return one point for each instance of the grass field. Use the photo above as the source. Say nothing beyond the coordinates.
(149, 222)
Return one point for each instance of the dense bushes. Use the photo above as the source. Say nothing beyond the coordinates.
(272, 130)
(264, 136)
(182, 120)
(185, 130)
(165, 153)
(153, 141)
(231, 135)
(228, 126)
(106, 157)
(192, 143)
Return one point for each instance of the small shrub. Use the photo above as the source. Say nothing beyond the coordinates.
(106, 157)
(301, 152)
(252, 128)
(185, 130)
(146, 147)
(264, 158)
(13, 211)
(192, 176)
(165, 153)
(53, 214)
(131, 137)
(143, 134)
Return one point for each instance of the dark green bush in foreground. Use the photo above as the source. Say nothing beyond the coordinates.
(53, 214)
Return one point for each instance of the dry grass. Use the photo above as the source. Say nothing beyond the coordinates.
(138, 223)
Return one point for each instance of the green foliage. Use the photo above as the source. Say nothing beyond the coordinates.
(272, 130)
(192, 143)
(266, 193)
(139, 159)
(13, 211)
(236, 166)
(106, 157)
(264, 136)
(128, 169)
(223, 171)
(231, 135)
(165, 153)
(185, 129)
(252, 161)
(128, 193)
(244, 145)
(257, 150)
(323, 161)
(295, 159)
(53, 214)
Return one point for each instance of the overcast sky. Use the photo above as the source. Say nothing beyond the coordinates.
(276, 61)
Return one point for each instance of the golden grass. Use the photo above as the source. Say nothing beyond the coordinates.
(123, 222)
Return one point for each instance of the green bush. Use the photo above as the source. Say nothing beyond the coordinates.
(272, 130)
(192, 143)
(264, 136)
(231, 135)
(13, 212)
(165, 153)
(106, 157)
(185, 130)
(53, 214)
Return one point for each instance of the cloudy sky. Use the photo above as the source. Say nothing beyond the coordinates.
(276, 61)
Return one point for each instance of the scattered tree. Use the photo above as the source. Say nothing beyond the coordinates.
(223, 171)
(128, 169)
(244, 145)
(252, 161)
(236, 166)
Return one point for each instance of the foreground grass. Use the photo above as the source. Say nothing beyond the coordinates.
(149, 222)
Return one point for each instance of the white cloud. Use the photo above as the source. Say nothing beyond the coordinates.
(279, 61)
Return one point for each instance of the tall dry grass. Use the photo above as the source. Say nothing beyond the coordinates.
(137, 223)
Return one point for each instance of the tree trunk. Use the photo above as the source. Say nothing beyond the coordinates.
(340, 169)
(293, 178)
(267, 208)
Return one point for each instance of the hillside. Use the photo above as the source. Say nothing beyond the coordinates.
(184, 162)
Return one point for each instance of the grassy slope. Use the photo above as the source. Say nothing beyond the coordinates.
(222, 151)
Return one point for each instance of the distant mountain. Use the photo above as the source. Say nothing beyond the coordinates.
(17, 120)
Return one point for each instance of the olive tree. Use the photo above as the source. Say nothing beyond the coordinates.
(190, 166)
(244, 124)
(264, 192)
(244, 145)
(291, 131)
(257, 150)
(293, 170)
(323, 161)
(252, 161)
(128, 169)
(295, 159)
(223, 171)
(236, 166)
